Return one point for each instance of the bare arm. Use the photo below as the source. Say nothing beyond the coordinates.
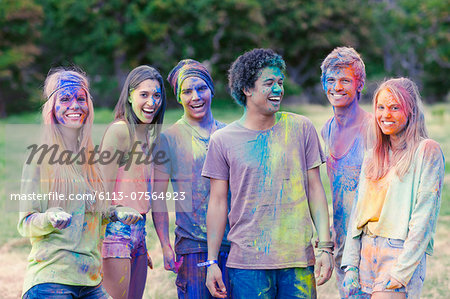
(216, 221)
(318, 207)
(161, 220)
(116, 139)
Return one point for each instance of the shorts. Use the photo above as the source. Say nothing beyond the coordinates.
(62, 291)
(378, 256)
(124, 241)
(276, 283)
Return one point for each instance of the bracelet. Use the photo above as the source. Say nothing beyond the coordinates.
(207, 263)
(323, 250)
(351, 268)
(325, 244)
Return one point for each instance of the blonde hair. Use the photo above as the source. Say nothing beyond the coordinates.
(407, 94)
(62, 178)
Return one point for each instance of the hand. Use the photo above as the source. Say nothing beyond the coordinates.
(169, 260)
(127, 215)
(324, 267)
(392, 283)
(214, 282)
(58, 218)
(351, 282)
(149, 261)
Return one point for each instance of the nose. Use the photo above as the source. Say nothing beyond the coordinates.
(74, 105)
(338, 85)
(195, 95)
(277, 88)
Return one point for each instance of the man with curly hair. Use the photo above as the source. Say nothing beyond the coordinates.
(270, 161)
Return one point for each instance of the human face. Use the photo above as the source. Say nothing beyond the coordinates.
(145, 100)
(268, 92)
(195, 97)
(391, 116)
(71, 106)
(341, 86)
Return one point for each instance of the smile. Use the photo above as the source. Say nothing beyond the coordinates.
(73, 115)
(275, 99)
(388, 123)
(197, 106)
(148, 110)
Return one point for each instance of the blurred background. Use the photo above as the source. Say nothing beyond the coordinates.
(109, 38)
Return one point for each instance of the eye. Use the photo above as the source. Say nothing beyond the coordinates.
(346, 81)
(395, 108)
(186, 91)
(157, 96)
(143, 95)
(268, 83)
(81, 99)
(203, 88)
(64, 99)
(379, 107)
(280, 83)
(330, 80)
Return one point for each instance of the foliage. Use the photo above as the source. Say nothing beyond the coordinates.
(108, 38)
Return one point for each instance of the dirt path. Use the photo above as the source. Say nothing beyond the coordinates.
(161, 284)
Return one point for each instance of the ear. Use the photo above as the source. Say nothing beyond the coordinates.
(247, 92)
(129, 99)
(360, 86)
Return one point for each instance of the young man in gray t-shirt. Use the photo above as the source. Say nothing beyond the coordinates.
(270, 161)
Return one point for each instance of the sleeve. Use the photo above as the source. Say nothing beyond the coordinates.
(422, 224)
(33, 221)
(163, 146)
(216, 165)
(313, 150)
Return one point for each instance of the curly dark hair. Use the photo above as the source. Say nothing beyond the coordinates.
(247, 68)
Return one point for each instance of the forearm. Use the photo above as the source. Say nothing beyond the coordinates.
(161, 223)
(34, 224)
(216, 218)
(318, 205)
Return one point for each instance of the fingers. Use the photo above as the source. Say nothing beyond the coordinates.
(128, 216)
(324, 269)
(178, 264)
(149, 261)
(214, 282)
(60, 219)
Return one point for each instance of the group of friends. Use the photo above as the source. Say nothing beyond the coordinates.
(253, 192)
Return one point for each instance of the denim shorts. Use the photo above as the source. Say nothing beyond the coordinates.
(124, 241)
(62, 291)
(277, 283)
(378, 256)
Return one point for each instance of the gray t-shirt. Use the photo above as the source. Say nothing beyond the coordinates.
(186, 152)
(270, 222)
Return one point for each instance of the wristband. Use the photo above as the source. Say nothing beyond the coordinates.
(323, 250)
(351, 268)
(207, 263)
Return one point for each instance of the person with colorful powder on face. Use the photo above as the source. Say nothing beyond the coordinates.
(345, 136)
(65, 260)
(393, 222)
(186, 144)
(139, 115)
(270, 161)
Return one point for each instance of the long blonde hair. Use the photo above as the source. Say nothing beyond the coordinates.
(62, 178)
(407, 94)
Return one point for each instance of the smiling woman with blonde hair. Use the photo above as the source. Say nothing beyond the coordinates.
(394, 221)
(65, 234)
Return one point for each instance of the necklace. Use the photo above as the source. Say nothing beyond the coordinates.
(199, 136)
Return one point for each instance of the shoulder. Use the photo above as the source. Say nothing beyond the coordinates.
(326, 128)
(220, 125)
(429, 147)
(117, 135)
(225, 132)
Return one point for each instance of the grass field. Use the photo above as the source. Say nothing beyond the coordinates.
(160, 283)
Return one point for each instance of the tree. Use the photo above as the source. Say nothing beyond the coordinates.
(19, 21)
